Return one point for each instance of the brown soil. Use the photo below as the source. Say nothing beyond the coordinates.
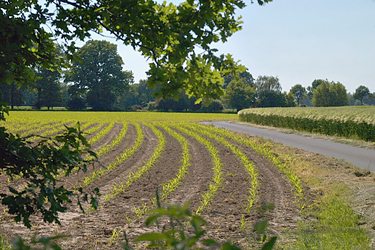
(93, 230)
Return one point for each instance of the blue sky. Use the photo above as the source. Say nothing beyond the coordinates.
(298, 41)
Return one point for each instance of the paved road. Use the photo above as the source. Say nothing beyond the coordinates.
(363, 158)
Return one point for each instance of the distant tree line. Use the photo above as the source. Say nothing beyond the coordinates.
(97, 81)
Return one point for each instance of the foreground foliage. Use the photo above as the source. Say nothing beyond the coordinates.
(38, 165)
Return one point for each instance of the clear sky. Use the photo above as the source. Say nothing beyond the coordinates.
(298, 41)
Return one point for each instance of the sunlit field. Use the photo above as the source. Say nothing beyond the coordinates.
(234, 181)
(349, 121)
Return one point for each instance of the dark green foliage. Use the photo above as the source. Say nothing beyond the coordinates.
(39, 165)
(48, 89)
(314, 85)
(137, 94)
(245, 76)
(183, 103)
(360, 93)
(12, 94)
(29, 96)
(76, 103)
(269, 93)
(240, 94)
(269, 98)
(299, 93)
(215, 106)
(171, 105)
(289, 99)
(329, 94)
(99, 75)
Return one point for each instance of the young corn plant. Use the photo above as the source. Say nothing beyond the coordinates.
(282, 164)
(217, 178)
(249, 165)
(106, 148)
(172, 185)
(101, 134)
(133, 176)
(119, 160)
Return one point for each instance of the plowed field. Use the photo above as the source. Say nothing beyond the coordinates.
(228, 212)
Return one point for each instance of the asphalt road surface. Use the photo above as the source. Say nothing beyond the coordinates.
(363, 158)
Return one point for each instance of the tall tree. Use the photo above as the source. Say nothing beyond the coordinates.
(240, 94)
(268, 90)
(48, 89)
(99, 74)
(290, 99)
(360, 93)
(245, 76)
(12, 94)
(314, 85)
(299, 93)
(330, 94)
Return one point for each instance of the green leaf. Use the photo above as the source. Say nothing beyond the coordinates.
(209, 242)
(261, 226)
(151, 219)
(152, 237)
(229, 246)
(269, 245)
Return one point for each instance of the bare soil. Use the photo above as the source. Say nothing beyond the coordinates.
(95, 229)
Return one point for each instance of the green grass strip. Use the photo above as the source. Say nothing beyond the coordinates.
(336, 227)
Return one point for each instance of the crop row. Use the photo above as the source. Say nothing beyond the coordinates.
(106, 148)
(119, 159)
(217, 178)
(249, 165)
(282, 164)
(135, 175)
(317, 120)
(171, 185)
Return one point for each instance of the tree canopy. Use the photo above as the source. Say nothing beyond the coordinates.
(98, 75)
(269, 93)
(240, 94)
(330, 94)
(360, 93)
(298, 92)
(165, 33)
(48, 88)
